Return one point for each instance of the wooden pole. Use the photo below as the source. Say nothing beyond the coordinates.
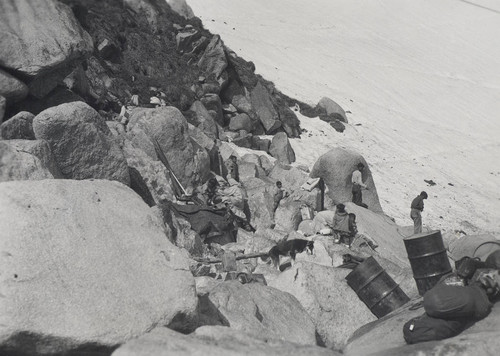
(242, 257)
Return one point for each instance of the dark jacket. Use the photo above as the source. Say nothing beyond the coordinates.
(418, 203)
(341, 222)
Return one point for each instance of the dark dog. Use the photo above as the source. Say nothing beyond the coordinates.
(290, 248)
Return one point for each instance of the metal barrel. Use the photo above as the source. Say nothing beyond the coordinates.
(376, 288)
(428, 259)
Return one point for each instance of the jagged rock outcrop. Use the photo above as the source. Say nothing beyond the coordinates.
(41, 41)
(214, 340)
(20, 126)
(336, 167)
(86, 265)
(81, 142)
(26, 160)
(263, 311)
(264, 108)
(281, 149)
(334, 307)
(213, 62)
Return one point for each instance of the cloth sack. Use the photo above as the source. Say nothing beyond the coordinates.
(453, 302)
(425, 328)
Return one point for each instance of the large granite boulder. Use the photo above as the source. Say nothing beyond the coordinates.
(263, 105)
(334, 307)
(12, 88)
(263, 311)
(281, 149)
(169, 127)
(331, 107)
(214, 341)
(81, 142)
(41, 40)
(86, 266)
(385, 337)
(26, 160)
(20, 126)
(336, 168)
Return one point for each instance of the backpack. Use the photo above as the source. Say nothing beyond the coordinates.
(425, 328)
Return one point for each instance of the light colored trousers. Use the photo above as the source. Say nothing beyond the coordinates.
(417, 220)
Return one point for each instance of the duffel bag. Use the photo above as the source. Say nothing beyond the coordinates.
(426, 328)
(454, 302)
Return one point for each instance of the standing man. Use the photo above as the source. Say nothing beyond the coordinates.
(357, 185)
(417, 206)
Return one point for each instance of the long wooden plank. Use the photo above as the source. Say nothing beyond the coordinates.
(241, 257)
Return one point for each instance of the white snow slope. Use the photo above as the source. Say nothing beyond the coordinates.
(420, 78)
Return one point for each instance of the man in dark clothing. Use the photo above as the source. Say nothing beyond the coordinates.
(417, 206)
(212, 192)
